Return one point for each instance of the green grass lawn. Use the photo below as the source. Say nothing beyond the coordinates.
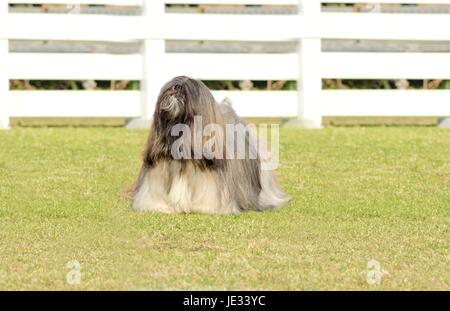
(360, 194)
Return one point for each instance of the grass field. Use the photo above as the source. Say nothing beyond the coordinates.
(360, 194)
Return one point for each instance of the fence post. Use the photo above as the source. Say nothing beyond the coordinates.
(153, 52)
(309, 83)
(4, 77)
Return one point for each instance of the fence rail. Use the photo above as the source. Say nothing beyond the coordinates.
(153, 66)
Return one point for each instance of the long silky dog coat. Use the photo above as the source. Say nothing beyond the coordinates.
(202, 184)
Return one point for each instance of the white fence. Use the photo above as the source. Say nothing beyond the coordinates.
(154, 66)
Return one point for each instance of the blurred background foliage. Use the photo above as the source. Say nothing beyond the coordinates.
(233, 85)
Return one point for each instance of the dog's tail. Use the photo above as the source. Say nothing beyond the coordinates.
(270, 194)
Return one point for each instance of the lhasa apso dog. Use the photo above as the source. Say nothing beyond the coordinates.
(203, 170)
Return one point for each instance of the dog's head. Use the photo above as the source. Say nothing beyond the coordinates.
(181, 99)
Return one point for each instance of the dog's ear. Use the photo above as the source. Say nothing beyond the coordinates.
(148, 157)
(150, 152)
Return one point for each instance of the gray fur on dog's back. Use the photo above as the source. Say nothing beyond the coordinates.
(269, 195)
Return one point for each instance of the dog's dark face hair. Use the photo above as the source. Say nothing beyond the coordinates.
(179, 102)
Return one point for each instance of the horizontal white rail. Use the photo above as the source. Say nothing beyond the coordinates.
(427, 27)
(84, 66)
(365, 65)
(74, 103)
(408, 103)
(128, 28)
(233, 66)
(247, 103)
(126, 103)
(74, 66)
(72, 27)
(261, 103)
(430, 27)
